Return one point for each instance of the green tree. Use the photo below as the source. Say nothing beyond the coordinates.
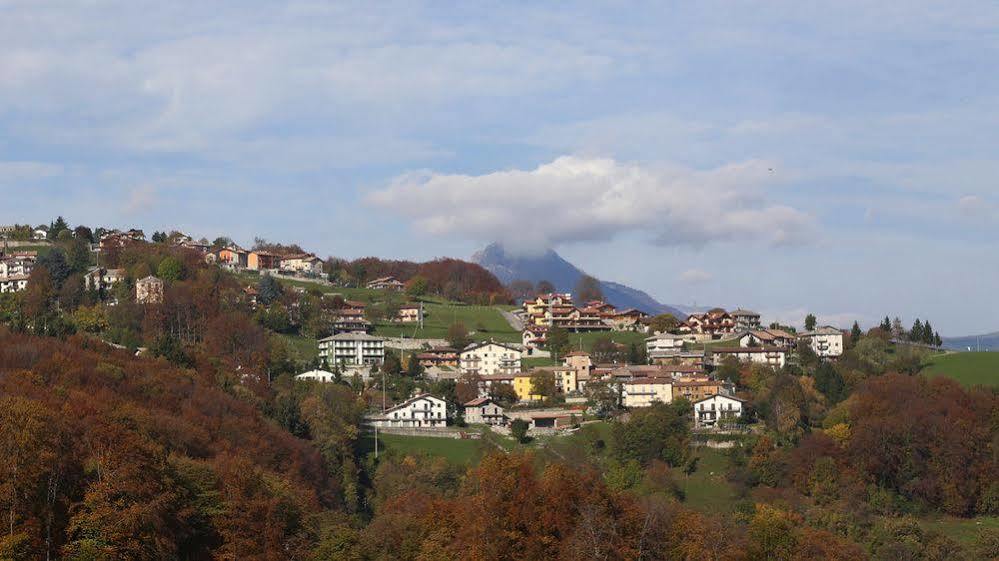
(170, 269)
(545, 287)
(830, 383)
(55, 263)
(855, 333)
(417, 286)
(518, 429)
(810, 322)
(557, 342)
(78, 255)
(56, 228)
(659, 432)
(543, 384)
(916, 334)
(664, 323)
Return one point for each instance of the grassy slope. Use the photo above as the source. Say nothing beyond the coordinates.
(707, 489)
(964, 531)
(969, 369)
(461, 452)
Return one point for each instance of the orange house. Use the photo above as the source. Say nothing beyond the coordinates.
(262, 260)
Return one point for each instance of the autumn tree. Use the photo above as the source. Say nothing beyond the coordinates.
(663, 323)
(457, 336)
(588, 289)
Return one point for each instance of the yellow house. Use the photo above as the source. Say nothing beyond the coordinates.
(522, 385)
(565, 381)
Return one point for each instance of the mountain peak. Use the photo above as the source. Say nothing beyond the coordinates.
(550, 266)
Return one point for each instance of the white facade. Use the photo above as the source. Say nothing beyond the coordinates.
(307, 264)
(771, 356)
(745, 319)
(317, 375)
(352, 349)
(486, 359)
(712, 409)
(16, 266)
(13, 284)
(827, 342)
(643, 392)
(664, 345)
(484, 411)
(421, 411)
(103, 279)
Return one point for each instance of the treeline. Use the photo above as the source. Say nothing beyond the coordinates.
(452, 279)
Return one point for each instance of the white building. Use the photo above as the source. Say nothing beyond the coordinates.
(305, 263)
(352, 349)
(643, 392)
(771, 356)
(665, 345)
(317, 375)
(421, 411)
(98, 278)
(767, 337)
(484, 411)
(13, 283)
(16, 265)
(827, 342)
(745, 319)
(714, 408)
(489, 358)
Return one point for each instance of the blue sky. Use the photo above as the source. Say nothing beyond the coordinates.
(784, 156)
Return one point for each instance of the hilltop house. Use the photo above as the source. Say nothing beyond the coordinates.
(714, 409)
(484, 411)
(421, 411)
(695, 390)
(410, 313)
(627, 320)
(13, 283)
(666, 345)
(490, 357)
(386, 283)
(827, 342)
(262, 260)
(715, 323)
(302, 263)
(232, 257)
(745, 319)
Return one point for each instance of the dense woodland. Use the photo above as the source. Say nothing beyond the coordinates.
(452, 279)
(206, 448)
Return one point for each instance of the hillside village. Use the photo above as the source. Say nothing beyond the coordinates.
(359, 327)
(360, 382)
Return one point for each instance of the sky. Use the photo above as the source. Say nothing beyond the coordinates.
(838, 158)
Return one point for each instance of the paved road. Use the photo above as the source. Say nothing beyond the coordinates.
(513, 320)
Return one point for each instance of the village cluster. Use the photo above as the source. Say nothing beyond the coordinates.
(680, 362)
(677, 368)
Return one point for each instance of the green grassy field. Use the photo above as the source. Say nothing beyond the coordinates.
(461, 452)
(707, 489)
(304, 349)
(969, 369)
(961, 530)
(586, 340)
(482, 322)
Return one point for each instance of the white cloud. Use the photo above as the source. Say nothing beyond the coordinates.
(576, 199)
(976, 208)
(140, 199)
(695, 276)
(13, 172)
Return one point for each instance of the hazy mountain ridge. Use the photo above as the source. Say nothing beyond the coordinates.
(988, 341)
(552, 267)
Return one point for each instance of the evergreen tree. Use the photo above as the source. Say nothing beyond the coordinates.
(916, 335)
(268, 290)
(557, 342)
(937, 340)
(928, 334)
(56, 227)
(810, 321)
(855, 333)
(886, 325)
